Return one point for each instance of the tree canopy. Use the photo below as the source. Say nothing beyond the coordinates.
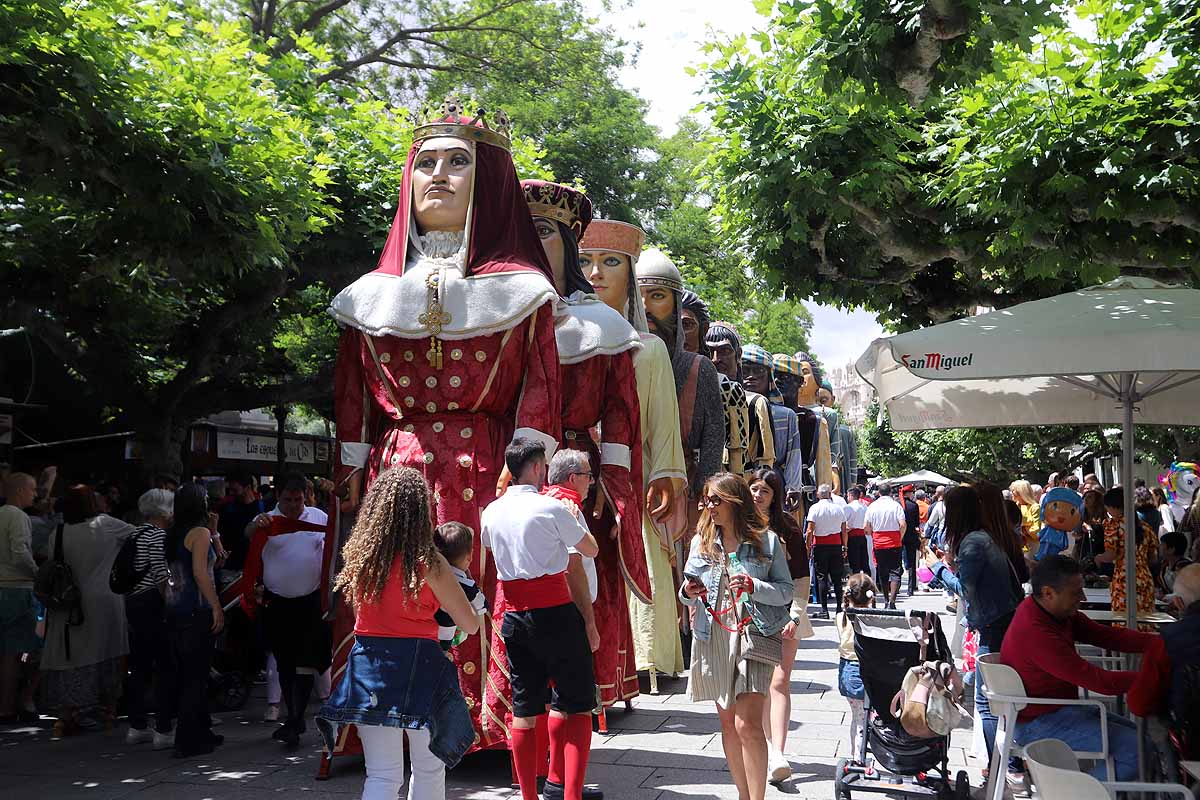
(925, 157)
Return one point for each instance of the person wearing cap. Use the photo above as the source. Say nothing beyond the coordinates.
(726, 347)
(696, 324)
(698, 393)
(815, 432)
(596, 350)
(759, 377)
(608, 252)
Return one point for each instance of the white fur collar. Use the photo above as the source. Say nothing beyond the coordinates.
(381, 304)
(588, 327)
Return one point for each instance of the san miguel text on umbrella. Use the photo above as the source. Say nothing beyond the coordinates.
(936, 361)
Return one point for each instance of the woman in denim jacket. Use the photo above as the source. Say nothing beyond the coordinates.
(979, 566)
(398, 682)
(735, 555)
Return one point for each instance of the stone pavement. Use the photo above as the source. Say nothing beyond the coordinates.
(666, 748)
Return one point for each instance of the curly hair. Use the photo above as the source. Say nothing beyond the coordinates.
(393, 522)
(750, 524)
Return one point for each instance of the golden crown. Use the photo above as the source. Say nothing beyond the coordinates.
(452, 119)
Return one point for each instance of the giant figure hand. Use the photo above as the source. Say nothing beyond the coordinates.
(660, 498)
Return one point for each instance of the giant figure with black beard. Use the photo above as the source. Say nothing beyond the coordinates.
(701, 416)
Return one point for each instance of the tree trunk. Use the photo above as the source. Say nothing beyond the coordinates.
(162, 448)
(281, 415)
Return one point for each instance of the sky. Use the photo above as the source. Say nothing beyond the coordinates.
(671, 33)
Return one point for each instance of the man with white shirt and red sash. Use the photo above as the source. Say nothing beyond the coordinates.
(886, 525)
(549, 658)
(286, 552)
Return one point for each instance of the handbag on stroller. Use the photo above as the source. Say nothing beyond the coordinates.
(891, 760)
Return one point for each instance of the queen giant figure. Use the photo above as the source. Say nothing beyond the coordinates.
(447, 351)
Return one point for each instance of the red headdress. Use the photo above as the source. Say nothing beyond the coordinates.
(500, 233)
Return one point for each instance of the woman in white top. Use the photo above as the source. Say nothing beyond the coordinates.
(82, 663)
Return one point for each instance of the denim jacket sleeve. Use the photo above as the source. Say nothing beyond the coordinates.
(695, 565)
(948, 577)
(778, 588)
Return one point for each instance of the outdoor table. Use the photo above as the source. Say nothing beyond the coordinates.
(1110, 617)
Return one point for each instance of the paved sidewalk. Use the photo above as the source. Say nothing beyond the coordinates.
(666, 748)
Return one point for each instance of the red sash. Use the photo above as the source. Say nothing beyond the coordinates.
(528, 594)
(252, 569)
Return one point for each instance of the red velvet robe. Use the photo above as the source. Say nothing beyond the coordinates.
(452, 424)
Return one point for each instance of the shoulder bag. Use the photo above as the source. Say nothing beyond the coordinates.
(56, 587)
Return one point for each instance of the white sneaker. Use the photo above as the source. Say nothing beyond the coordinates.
(164, 741)
(135, 736)
(272, 714)
(778, 767)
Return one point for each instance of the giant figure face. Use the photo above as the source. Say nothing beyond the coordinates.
(756, 378)
(788, 385)
(660, 312)
(609, 273)
(552, 242)
(443, 173)
(691, 331)
(825, 397)
(725, 359)
(807, 394)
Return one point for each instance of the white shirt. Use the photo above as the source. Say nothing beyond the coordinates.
(589, 564)
(529, 533)
(856, 516)
(885, 514)
(292, 561)
(827, 518)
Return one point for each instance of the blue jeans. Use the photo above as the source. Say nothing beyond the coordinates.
(1079, 727)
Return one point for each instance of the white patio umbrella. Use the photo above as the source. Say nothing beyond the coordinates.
(920, 476)
(1125, 352)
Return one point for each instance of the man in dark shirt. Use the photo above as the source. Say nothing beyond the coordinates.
(241, 510)
(1040, 646)
(912, 538)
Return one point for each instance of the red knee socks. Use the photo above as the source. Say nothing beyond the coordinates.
(545, 760)
(525, 756)
(571, 737)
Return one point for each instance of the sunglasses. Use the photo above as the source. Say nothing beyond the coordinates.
(712, 501)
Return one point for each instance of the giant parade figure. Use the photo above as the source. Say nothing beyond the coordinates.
(702, 431)
(608, 252)
(815, 432)
(447, 351)
(597, 347)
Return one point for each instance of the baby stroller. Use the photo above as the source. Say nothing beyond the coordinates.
(891, 761)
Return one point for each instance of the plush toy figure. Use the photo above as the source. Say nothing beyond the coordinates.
(1061, 514)
(1181, 484)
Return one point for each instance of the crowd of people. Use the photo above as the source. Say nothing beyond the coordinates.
(81, 648)
(747, 579)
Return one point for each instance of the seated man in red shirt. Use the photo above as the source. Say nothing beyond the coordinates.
(1040, 646)
(1161, 686)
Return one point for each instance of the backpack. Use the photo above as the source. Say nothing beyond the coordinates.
(56, 587)
(124, 576)
(1183, 713)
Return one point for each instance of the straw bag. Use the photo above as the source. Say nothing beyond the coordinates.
(927, 704)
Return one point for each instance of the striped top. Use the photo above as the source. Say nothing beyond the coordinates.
(148, 558)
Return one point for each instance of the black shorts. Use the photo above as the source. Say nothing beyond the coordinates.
(545, 645)
(889, 564)
(296, 633)
(827, 560)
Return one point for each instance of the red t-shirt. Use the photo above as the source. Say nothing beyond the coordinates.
(398, 614)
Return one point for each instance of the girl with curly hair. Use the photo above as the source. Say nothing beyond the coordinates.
(398, 681)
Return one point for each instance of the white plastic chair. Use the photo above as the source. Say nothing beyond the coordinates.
(1003, 688)
(1055, 772)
